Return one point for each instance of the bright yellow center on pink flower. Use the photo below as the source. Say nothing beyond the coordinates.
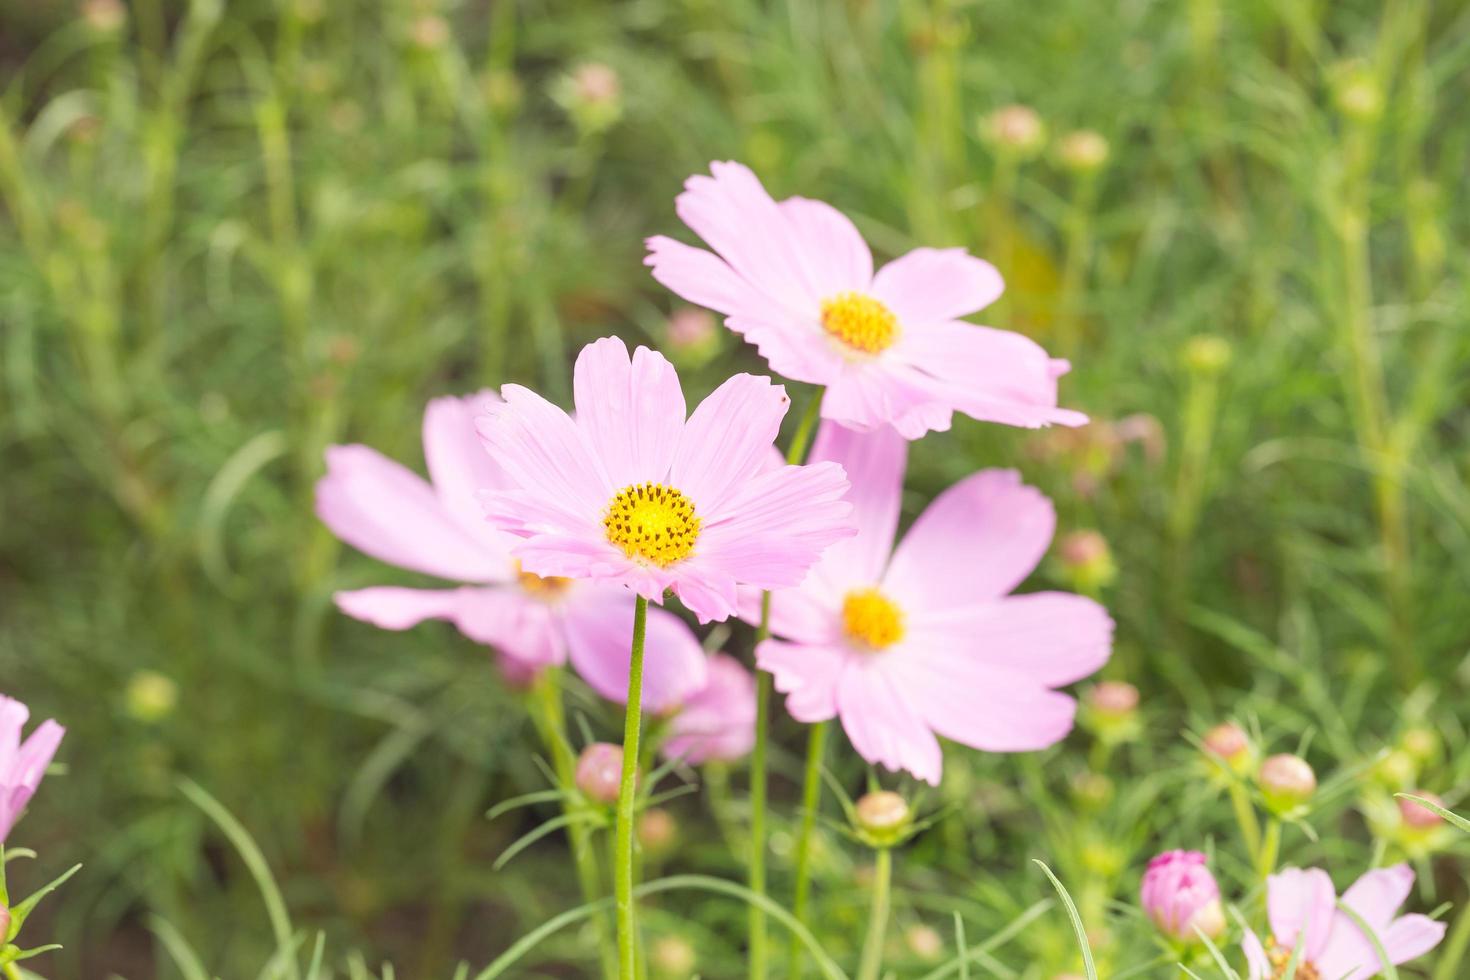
(652, 523)
(860, 322)
(871, 618)
(541, 587)
(1280, 957)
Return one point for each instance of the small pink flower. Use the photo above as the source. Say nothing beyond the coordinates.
(1302, 909)
(631, 493)
(22, 764)
(796, 279)
(907, 643)
(1179, 894)
(389, 512)
(717, 722)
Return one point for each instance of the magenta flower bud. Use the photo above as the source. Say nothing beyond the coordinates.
(600, 772)
(1286, 782)
(1228, 741)
(1180, 895)
(1418, 817)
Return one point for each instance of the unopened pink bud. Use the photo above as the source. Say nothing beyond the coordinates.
(600, 772)
(1287, 782)
(1418, 816)
(1180, 895)
(657, 831)
(596, 82)
(1113, 698)
(1228, 741)
(690, 327)
(883, 817)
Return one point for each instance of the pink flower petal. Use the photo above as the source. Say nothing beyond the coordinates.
(727, 440)
(13, 717)
(969, 700)
(387, 511)
(866, 395)
(718, 720)
(1301, 904)
(1255, 957)
(503, 617)
(599, 629)
(930, 285)
(1411, 936)
(883, 725)
(1052, 638)
(978, 540)
(36, 754)
(809, 613)
(874, 463)
(834, 257)
(1375, 897)
(459, 467)
(631, 410)
(807, 674)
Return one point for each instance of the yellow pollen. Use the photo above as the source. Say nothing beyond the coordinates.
(872, 619)
(541, 587)
(652, 523)
(860, 322)
(1280, 956)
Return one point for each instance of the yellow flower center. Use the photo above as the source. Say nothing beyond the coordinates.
(652, 523)
(1280, 956)
(539, 587)
(860, 322)
(872, 619)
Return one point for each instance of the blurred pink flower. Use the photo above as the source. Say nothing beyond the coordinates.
(907, 643)
(1179, 894)
(22, 764)
(717, 722)
(796, 279)
(630, 493)
(389, 512)
(1302, 909)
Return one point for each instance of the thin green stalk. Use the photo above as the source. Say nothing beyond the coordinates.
(757, 951)
(811, 798)
(623, 851)
(872, 960)
(1245, 817)
(550, 716)
(1270, 849)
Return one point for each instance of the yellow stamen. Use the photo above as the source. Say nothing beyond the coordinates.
(541, 587)
(860, 322)
(652, 523)
(872, 619)
(1280, 956)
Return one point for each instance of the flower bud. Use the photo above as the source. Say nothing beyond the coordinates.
(600, 772)
(1207, 354)
(657, 831)
(1092, 790)
(1110, 712)
(1356, 92)
(1083, 152)
(690, 328)
(924, 942)
(1014, 131)
(105, 16)
(1422, 744)
(1180, 895)
(883, 818)
(1113, 698)
(1229, 745)
(1286, 782)
(1087, 560)
(592, 95)
(1397, 770)
(673, 957)
(596, 82)
(4, 925)
(430, 32)
(1418, 817)
(151, 696)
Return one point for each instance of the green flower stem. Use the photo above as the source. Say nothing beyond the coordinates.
(1245, 817)
(623, 848)
(811, 798)
(550, 718)
(1270, 848)
(872, 960)
(757, 951)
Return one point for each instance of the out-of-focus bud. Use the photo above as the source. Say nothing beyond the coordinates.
(1083, 152)
(105, 16)
(1286, 782)
(1015, 131)
(924, 942)
(1229, 745)
(1356, 92)
(1180, 895)
(592, 94)
(1110, 712)
(1087, 561)
(429, 32)
(4, 925)
(691, 328)
(1418, 817)
(673, 958)
(600, 772)
(1103, 858)
(1092, 790)
(883, 818)
(1397, 770)
(1420, 743)
(151, 696)
(597, 82)
(1207, 354)
(657, 832)
(1115, 698)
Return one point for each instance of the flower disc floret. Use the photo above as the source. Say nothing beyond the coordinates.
(652, 523)
(872, 619)
(861, 322)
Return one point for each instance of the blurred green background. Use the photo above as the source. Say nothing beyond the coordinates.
(231, 234)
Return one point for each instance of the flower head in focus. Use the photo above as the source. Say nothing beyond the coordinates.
(796, 280)
(1302, 909)
(716, 722)
(1180, 895)
(925, 639)
(632, 494)
(22, 763)
(389, 512)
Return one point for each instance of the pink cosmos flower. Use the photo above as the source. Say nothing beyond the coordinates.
(717, 722)
(1180, 895)
(905, 644)
(631, 493)
(22, 764)
(796, 279)
(389, 512)
(1302, 909)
